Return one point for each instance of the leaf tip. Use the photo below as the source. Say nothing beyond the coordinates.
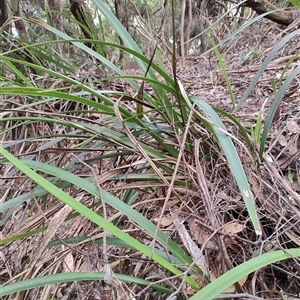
(258, 232)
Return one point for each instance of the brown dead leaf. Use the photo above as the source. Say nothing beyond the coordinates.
(293, 149)
(166, 221)
(199, 279)
(282, 160)
(282, 140)
(254, 185)
(55, 223)
(223, 196)
(293, 127)
(123, 291)
(197, 255)
(200, 235)
(68, 263)
(233, 228)
(293, 238)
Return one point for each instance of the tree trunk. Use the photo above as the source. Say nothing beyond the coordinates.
(3, 15)
(20, 26)
(79, 12)
(182, 48)
(189, 27)
(121, 19)
(54, 8)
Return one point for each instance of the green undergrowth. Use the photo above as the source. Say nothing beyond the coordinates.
(81, 148)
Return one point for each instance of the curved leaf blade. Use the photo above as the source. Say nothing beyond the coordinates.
(234, 162)
(234, 275)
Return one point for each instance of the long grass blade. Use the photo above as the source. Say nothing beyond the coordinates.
(234, 162)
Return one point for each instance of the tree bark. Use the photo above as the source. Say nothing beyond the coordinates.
(80, 13)
(20, 26)
(3, 15)
(182, 47)
(54, 8)
(121, 19)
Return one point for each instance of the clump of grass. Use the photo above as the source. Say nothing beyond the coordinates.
(103, 176)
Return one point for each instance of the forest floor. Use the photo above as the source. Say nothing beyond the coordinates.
(275, 184)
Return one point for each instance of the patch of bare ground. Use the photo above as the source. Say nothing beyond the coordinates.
(205, 199)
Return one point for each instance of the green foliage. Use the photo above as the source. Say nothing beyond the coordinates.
(218, 129)
(89, 214)
(222, 65)
(73, 277)
(296, 3)
(251, 54)
(152, 135)
(264, 65)
(234, 275)
(274, 107)
(278, 94)
(256, 129)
